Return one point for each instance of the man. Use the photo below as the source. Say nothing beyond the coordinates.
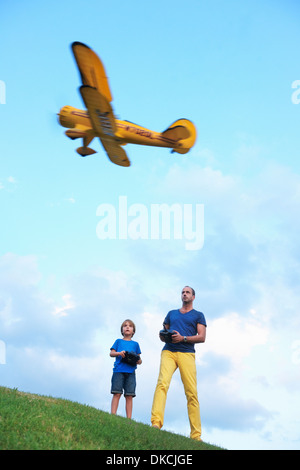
(190, 328)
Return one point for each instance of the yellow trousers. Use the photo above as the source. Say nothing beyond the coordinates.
(170, 361)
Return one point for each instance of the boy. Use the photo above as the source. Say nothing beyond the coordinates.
(123, 373)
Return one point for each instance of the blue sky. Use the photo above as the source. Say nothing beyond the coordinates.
(230, 68)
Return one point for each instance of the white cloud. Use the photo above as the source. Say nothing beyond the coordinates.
(260, 205)
(69, 305)
(11, 179)
(235, 335)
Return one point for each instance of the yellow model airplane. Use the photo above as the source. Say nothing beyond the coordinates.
(99, 120)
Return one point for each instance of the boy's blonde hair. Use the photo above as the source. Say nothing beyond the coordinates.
(131, 324)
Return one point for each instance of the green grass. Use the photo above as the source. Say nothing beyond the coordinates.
(34, 422)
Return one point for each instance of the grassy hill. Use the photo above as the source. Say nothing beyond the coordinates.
(34, 422)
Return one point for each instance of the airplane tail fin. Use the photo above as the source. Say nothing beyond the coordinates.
(176, 133)
(184, 133)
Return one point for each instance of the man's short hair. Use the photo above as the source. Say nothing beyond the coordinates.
(193, 291)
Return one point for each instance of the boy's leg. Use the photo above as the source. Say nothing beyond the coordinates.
(188, 373)
(128, 399)
(117, 390)
(115, 403)
(129, 392)
(168, 366)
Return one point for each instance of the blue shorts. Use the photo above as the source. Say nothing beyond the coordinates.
(123, 381)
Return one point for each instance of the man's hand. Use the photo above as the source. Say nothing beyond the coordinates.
(177, 337)
(166, 335)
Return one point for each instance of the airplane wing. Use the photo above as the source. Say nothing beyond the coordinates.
(100, 111)
(115, 152)
(91, 69)
(104, 124)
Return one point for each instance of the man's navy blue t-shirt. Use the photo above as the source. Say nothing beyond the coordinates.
(186, 325)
